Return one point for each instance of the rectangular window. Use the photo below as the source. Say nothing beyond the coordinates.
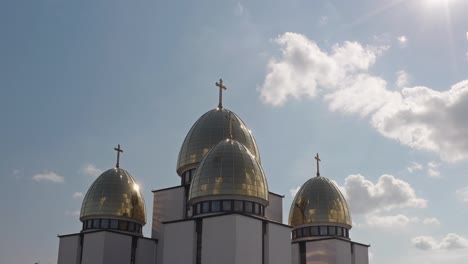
(323, 230)
(227, 206)
(306, 231)
(215, 206)
(248, 207)
(96, 223)
(205, 207)
(339, 231)
(105, 223)
(256, 208)
(299, 232)
(332, 230)
(114, 224)
(238, 206)
(131, 227)
(123, 225)
(314, 231)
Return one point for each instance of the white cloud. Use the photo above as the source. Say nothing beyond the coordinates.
(433, 169)
(418, 117)
(402, 79)
(91, 170)
(48, 176)
(72, 213)
(431, 221)
(389, 221)
(462, 194)
(414, 167)
(77, 195)
(402, 40)
(363, 196)
(449, 242)
(293, 191)
(239, 9)
(323, 21)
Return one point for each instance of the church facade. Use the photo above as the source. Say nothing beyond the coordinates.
(222, 211)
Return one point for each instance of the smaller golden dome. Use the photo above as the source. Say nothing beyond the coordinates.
(229, 170)
(114, 194)
(319, 201)
(209, 130)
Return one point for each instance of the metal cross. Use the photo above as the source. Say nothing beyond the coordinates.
(318, 165)
(221, 87)
(229, 116)
(119, 150)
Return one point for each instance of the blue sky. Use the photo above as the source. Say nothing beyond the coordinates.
(378, 88)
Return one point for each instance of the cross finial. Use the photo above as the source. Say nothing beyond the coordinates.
(318, 165)
(119, 150)
(221, 88)
(229, 116)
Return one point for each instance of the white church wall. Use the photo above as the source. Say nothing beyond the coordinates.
(179, 243)
(278, 244)
(93, 248)
(168, 205)
(360, 254)
(249, 240)
(232, 239)
(295, 253)
(69, 250)
(343, 251)
(274, 210)
(117, 248)
(146, 251)
(331, 251)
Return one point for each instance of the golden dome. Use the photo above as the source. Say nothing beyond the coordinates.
(209, 130)
(229, 170)
(319, 201)
(114, 194)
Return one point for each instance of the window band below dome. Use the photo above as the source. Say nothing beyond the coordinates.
(316, 231)
(218, 206)
(112, 224)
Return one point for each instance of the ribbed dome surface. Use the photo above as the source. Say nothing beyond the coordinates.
(319, 201)
(230, 169)
(209, 130)
(114, 194)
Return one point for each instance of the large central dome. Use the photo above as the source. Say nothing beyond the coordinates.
(209, 130)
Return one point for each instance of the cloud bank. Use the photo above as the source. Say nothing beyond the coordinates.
(419, 117)
(48, 176)
(449, 242)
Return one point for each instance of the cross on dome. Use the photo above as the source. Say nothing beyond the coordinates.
(318, 164)
(119, 150)
(221, 88)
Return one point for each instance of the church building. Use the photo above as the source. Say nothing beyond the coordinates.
(221, 212)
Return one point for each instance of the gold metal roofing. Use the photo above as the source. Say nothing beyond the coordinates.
(114, 194)
(208, 131)
(319, 201)
(229, 169)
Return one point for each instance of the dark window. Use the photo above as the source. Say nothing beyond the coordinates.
(314, 231)
(345, 232)
(105, 223)
(332, 230)
(299, 232)
(96, 223)
(114, 224)
(294, 234)
(306, 231)
(256, 208)
(339, 231)
(205, 207)
(198, 210)
(215, 206)
(131, 227)
(227, 206)
(238, 206)
(323, 230)
(123, 225)
(248, 207)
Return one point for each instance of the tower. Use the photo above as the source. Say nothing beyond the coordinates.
(112, 215)
(321, 222)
